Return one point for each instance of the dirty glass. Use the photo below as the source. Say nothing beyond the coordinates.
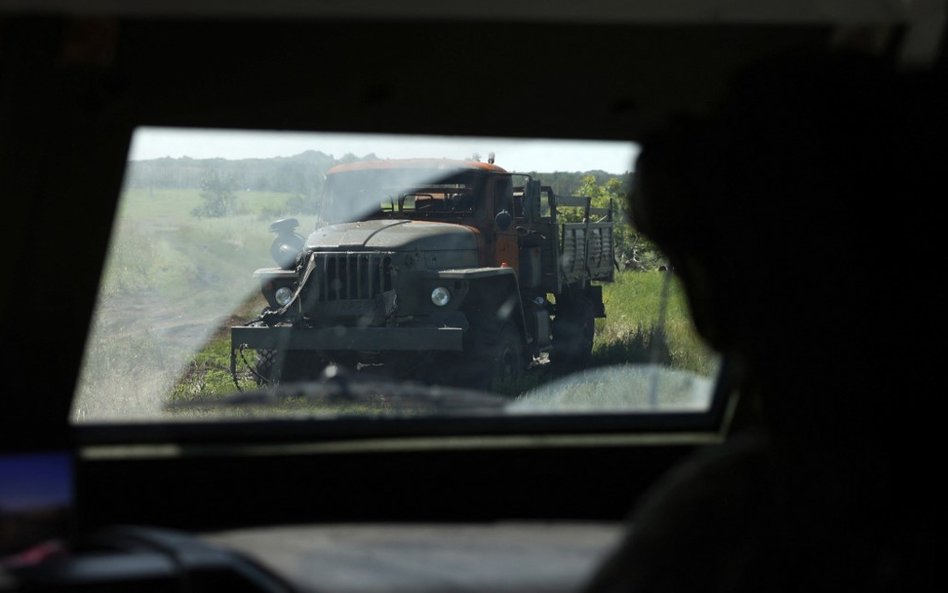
(351, 193)
(330, 275)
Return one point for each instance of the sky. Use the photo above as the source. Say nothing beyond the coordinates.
(544, 155)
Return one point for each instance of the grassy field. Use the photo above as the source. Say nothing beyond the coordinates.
(171, 280)
(159, 246)
(630, 332)
(175, 283)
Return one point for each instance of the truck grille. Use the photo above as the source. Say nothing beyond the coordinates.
(350, 276)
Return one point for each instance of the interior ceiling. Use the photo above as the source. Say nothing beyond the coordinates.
(643, 60)
(609, 82)
(839, 12)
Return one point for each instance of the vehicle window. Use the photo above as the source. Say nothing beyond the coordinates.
(350, 192)
(336, 275)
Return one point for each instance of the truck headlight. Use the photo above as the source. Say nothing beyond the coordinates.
(440, 296)
(283, 295)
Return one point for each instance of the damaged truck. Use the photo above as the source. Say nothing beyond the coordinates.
(456, 272)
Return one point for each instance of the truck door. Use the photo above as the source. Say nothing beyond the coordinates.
(506, 248)
(527, 221)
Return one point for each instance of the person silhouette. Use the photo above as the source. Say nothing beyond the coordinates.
(796, 215)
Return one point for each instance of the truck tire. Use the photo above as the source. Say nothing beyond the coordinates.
(276, 366)
(494, 357)
(263, 366)
(505, 355)
(574, 329)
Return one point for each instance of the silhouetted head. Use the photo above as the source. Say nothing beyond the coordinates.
(802, 218)
(796, 216)
(788, 210)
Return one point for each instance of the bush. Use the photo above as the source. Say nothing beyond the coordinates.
(217, 192)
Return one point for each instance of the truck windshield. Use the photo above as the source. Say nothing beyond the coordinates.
(409, 193)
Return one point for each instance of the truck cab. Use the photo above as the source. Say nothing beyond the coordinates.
(466, 193)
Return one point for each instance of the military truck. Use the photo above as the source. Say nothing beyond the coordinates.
(451, 271)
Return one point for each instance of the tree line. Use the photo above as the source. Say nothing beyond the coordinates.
(302, 177)
(301, 174)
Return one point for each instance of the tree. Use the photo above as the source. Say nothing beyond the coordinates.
(633, 251)
(217, 191)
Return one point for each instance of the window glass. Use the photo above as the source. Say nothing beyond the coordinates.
(350, 192)
(357, 270)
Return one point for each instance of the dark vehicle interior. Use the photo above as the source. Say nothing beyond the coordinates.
(466, 503)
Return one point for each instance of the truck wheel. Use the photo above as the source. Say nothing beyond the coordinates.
(263, 366)
(498, 352)
(275, 366)
(573, 331)
(507, 357)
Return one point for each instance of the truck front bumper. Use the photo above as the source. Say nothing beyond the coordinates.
(365, 339)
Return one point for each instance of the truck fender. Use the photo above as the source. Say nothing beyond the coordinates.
(492, 292)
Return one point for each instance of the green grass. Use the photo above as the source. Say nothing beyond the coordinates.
(168, 279)
(173, 206)
(630, 333)
(208, 373)
(158, 246)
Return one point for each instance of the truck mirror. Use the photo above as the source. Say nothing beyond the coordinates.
(284, 225)
(531, 199)
(287, 244)
(503, 220)
(285, 249)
